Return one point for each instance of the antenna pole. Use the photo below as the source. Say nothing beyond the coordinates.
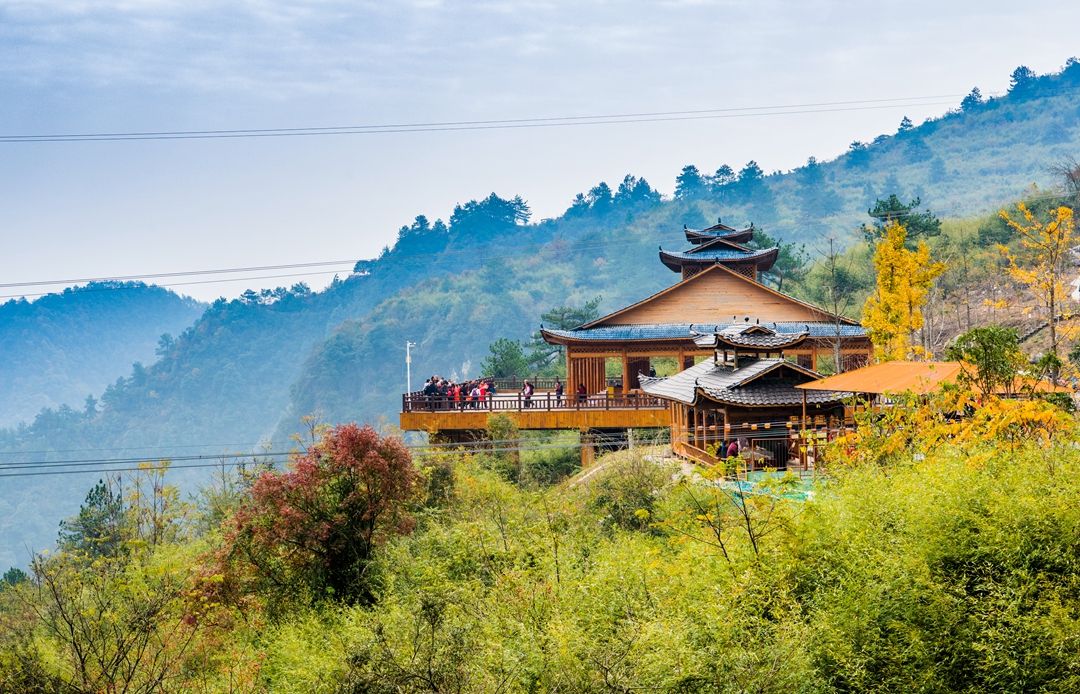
(408, 365)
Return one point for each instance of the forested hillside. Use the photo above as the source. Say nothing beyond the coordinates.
(249, 368)
(63, 348)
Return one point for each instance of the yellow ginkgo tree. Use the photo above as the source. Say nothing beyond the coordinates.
(893, 312)
(1041, 267)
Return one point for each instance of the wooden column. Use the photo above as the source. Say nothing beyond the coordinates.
(625, 373)
(588, 452)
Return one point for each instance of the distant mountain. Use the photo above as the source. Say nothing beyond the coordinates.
(64, 347)
(247, 369)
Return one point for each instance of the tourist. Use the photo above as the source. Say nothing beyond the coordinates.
(558, 392)
(527, 393)
(582, 393)
(474, 395)
(431, 391)
(733, 448)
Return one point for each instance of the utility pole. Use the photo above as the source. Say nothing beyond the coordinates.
(408, 365)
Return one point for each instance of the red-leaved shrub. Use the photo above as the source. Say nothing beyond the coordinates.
(311, 532)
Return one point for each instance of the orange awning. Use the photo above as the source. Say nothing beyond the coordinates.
(919, 377)
(891, 377)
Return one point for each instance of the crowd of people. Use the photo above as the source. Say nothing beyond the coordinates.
(445, 394)
(441, 393)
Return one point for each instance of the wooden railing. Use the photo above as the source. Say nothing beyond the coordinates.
(418, 402)
(514, 384)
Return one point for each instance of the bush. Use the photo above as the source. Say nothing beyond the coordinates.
(313, 531)
(627, 490)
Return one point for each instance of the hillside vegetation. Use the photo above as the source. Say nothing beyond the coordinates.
(248, 369)
(918, 565)
(63, 348)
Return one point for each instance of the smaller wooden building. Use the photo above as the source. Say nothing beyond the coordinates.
(746, 392)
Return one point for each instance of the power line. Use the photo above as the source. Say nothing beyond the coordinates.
(223, 462)
(780, 429)
(442, 126)
(472, 254)
(176, 284)
(215, 271)
(484, 444)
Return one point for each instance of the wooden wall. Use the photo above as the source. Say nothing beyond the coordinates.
(587, 370)
(715, 296)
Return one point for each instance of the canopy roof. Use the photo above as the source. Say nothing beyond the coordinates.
(918, 377)
(755, 383)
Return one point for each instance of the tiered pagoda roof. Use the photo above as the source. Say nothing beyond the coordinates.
(720, 244)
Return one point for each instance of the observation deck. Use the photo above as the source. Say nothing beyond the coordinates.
(544, 410)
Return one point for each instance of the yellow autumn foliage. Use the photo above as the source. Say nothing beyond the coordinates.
(954, 418)
(893, 312)
(1044, 247)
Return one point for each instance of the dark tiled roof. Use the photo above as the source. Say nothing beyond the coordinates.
(737, 386)
(686, 331)
(717, 231)
(754, 336)
(763, 259)
(719, 254)
(718, 244)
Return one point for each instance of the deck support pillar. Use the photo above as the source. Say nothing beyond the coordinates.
(588, 449)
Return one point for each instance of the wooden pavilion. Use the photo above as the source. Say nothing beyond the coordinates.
(720, 288)
(710, 325)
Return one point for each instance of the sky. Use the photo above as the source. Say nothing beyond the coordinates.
(93, 209)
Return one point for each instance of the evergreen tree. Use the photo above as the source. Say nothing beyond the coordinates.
(917, 224)
(690, 183)
(1021, 78)
(506, 359)
(635, 193)
(99, 528)
(722, 178)
(543, 356)
(488, 218)
(600, 198)
(858, 154)
(13, 577)
(972, 101)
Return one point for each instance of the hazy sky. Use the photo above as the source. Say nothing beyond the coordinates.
(118, 208)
